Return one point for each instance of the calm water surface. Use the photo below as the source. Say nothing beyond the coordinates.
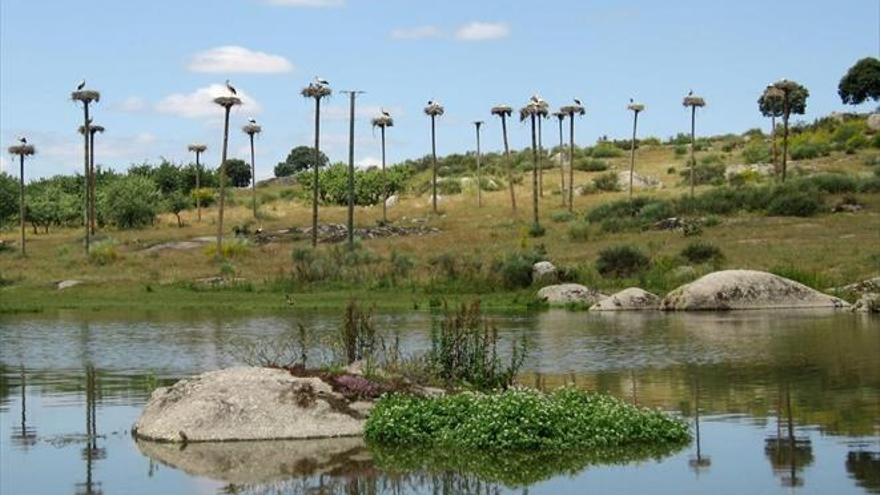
(784, 403)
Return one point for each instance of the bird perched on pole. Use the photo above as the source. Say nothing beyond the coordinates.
(231, 88)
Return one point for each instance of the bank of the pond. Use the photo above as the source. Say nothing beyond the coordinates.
(97, 297)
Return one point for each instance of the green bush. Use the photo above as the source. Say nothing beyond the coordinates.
(515, 269)
(756, 152)
(621, 261)
(607, 182)
(103, 252)
(8, 198)
(579, 231)
(605, 150)
(702, 252)
(680, 150)
(562, 216)
(591, 165)
(520, 420)
(833, 183)
(130, 202)
(795, 204)
(706, 172)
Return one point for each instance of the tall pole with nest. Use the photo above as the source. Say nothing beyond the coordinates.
(86, 97)
(22, 150)
(93, 129)
(316, 90)
(252, 129)
(571, 110)
(477, 126)
(693, 102)
(636, 109)
(383, 121)
(560, 116)
(532, 111)
(227, 102)
(198, 149)
(504, 111)
(434, 110)
(352, 96)
(543, 113)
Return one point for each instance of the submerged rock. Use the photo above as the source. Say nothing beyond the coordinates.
(746, 289)
(247, 404)
(629, 299)
(868, 303)
(564, 294)
(543, 272)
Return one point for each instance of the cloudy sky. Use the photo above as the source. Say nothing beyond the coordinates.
(159, 63)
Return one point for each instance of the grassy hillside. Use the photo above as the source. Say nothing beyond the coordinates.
(477, 250)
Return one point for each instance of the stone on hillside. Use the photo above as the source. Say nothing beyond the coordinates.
(868, 303)
(247, 404)
(757, 169)
(639, 181)
(865, 286)
(564, 294)
(392, 201)
(632, 298)
(746, 289)
(874, 121)
(543, 272)
(66, 284)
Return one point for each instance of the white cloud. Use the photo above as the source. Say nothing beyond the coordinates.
(416, 33)
(367, 162)
(237, 59)
(482, 31)
(200, 103)
(307, 3)
(130, 104)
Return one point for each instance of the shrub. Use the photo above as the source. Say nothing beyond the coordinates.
(231, 248)
(515, 269)
(579, 231)
(448, 186)
(756, 152)
(537, 230)
(702, 252)
(834, 183)
(603, 150)
(130, 202)
(810, 278)
(562, 216)
(795, 203)
(520, 420)
(607, 182)
(464, 351)
(706, 172)
(621, 261)
(103, 252)
(591, 165)
(679, 150)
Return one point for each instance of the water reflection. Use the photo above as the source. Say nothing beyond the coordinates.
(91, 453)
(700, 462)
(788, 454)
(864, 467)
(23, 436)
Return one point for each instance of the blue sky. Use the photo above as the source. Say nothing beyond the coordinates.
(155, 64)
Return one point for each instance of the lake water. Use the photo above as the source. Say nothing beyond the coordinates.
(784, 402)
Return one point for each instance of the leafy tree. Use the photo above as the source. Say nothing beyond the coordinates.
(8, 198)
(176, 202)
(238, 172)
(49, 204)
(131, 202)
(207, 177)
(167, 177)
(299, 159)
(861, 82)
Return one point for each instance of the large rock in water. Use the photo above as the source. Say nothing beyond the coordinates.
(629, 299)
(746, 289)
(564, 294)
(247, 404)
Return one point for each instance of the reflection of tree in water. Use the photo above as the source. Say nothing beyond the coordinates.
(788, 454)
(700, 462)
(23, 435)
(864, 467)
(91, 453)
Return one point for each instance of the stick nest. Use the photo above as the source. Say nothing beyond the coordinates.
(573, 110)
(560, 114)
(315, 90)
(22, 150)
(382, 121)
(502, 110)
(251, 129)
(197, 148)
(85, 96)
(434, 110)
(693, 101)
(227, 101)
(532, 108)
(92, 129)
(636, 107)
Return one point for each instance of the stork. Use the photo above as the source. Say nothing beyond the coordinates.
(231, 88)
(631, 100)
(536, 98)
(22, 140)
(578, 102)
(385, 113)
(690, 92)
(252, 120)
(321, 82)
(81, 85)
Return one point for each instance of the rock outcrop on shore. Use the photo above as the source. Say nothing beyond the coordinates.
(746, 289)
(631, 299)
(565, 294)
(248, 404)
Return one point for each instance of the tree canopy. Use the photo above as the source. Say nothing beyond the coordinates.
(861, 82)
(238, 172)
(771, 103)
(299, 159)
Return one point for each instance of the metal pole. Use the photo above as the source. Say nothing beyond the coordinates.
(222, 182)
(434, 163)
(560, 117)
(571, 162)
(693, 146)
(253, 178)
(477, 124)
(92, 220)
(384, 181)
(86, 131)
(352, 95)
(198, 199)
(632, 157)
(315, 184)
(21, 200)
